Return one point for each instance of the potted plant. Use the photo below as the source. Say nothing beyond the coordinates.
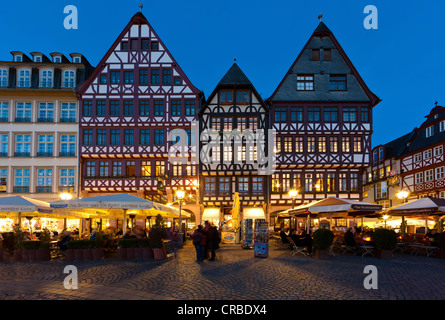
(87, 249)
(44, 253)
(385, 242)
(157, 234)
(441, 244)
(98, 251)
(147, 252)
(128, 246)
(18, 243)
(323, 239)
(79, 247)
(30, 249)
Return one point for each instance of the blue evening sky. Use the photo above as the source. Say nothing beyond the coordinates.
(403, 62)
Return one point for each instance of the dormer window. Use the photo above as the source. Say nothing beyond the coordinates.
(57, 59)
(305, 82)
(18, 58)
(68, 79)
(315, 54)
(429, 131)
(327, 55)
(76, 60)
(24, 78)
(46, 78)
(38, 59)
(3, 77)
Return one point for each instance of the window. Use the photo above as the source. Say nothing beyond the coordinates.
(144, 137)
(66, 179)
(438, 151)
(23, 145)
(87, 109)
(241, 153)
(167, 76)
(442, 126)
(114, 108)
(342, 182)
(257, 185)
(57, 59)
(228, 123)
(18, 58)
(130, 169)
(327, 55)
(349, 114)
(44, 180)
(296, 114)
(103, 168)
(101, 137)
(308, 182)
(313, 114)
(128, 77)
(144, 107)
(440, 173)
(177, 80)
(299, 144)
(427, 154)
(21, 180)
(417, 157)
(134, 44)
(23, 112)
(224, 186)
(333, 144)
(68, 79)
(276, 182)
(216, 154)
(311, 144)
(159, 137)
(4, 145)
(429, 131)
(209, 186)
(345, 144)
(143, 77)
(154, 46)
(159, 108)
(215, 123)
(176, 107)
(155, 76)
(357, 144)
(128, 107)
(145, 44)
(296, 182)
(90, 169)
(225, 97)
(46, 112)
(116, 168)
(315, 54)
(364, 115)
(68, 112)
(243, 184)
(177, 170)
(330, 114)
(330, 180)
(128, 137)
(322, 144)
(101, 108)
(115, 137)
(305, 82)
(253, 123)
(88, 137)
(115, 77)
(419, 177)
(3, 77)
(76, 60)
(67, 145)
(46, 79)
(242, 97)
(190, 108)
(241, 123)
(381, 173)
(24, 78)
(146, 169)
(228, 154)
(45, 145)
(429, 175)
(280, 114)
(287, 144)
(337, 82)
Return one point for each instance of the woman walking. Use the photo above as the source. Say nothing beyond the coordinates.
(199, 241)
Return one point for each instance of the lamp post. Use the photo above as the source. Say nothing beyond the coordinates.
(65, 196)
(386, 218)
(293, 194)
(403, 195)
(180, 194)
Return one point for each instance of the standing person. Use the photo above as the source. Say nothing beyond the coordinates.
(209, 231)
(215, 242)
(199, 241)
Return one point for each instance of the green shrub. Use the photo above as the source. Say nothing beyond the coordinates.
(81, 244)
(31, 245)
(128, 243)
(441, 240)
(144, 243)
(385, 239)
(323, 239)
(45, 239)
(99, 241)
(18, 238)
(157, 233)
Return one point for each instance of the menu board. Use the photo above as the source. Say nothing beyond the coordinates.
(261, 247)
(247, 233)
(168, 249)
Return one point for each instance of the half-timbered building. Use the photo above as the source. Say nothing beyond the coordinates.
(322, 113)
(233, 128)
(131, 107)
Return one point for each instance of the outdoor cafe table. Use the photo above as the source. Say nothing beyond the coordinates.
(366, 248)
(420, 248)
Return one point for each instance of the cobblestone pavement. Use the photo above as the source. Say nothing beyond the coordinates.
(235, 275)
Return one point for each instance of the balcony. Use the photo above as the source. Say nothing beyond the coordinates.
(44, 154)
(45, 120)
(67, 154)
(3, 154)
(22, 154)
(22, 119)
(21, 189)
(68, 120)
(44, 189)
(24, 84)
(4, 120)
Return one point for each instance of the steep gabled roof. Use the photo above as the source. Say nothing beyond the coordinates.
(323, 37)
(399, 146)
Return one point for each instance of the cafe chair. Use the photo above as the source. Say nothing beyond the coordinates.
(296, 249)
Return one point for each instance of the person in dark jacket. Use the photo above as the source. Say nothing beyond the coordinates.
(199, 241)
(215, 242)
(208, 229)
(349, 238)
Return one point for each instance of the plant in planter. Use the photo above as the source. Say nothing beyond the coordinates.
(157, 233)
(81, 249)
(441, 244)
(147, 252)
(29, 252)
(45, 241)
(323, 239)
(385, 242)
(127, 248)
(18, 243)
(98, 251)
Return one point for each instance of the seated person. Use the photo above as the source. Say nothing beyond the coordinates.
(295, 238)
(305, 241)
(283, 235)
(432, 237)
(349, 238)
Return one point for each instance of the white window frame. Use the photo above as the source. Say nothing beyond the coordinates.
(68, 108)
(38, 58)
(68, 81)
(440, 173)
(419, 177)
(418, 157)
(438, 150)
(429, 131)
(23, 80)
(427, 154)
(68, 143)
(4, 73)
(46, 110)
(442, 126)
(4, 143)
(18, 58)
(26, 108)
(77, 60)
(46, 78)
(429, 175)
(57, 59)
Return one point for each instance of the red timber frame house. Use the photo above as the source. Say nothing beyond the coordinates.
(322, 114)
(136, 98)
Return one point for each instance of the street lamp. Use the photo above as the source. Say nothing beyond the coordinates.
(402, 195)
(293, 194)
(386, 218)
(66, 196)
(180, 194)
